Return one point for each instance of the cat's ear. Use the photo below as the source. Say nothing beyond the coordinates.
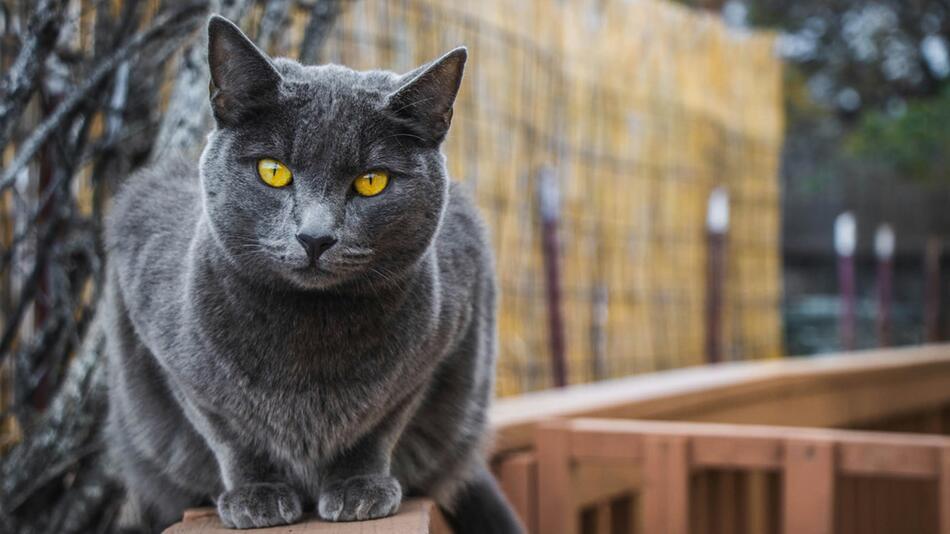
(426, 96)
(242, 77)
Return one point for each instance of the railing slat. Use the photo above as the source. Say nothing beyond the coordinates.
(556, 511)
(809, 486)
(666, 489)
(518, 478)
(943, 492)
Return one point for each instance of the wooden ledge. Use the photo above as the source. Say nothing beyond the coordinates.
(416, 516)
(827, 391)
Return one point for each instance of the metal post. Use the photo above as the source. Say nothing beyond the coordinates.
(884, 250)
(932, 254)
(549, 199)
(717, 226)
(846, 231)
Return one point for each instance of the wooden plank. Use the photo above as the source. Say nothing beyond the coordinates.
(757, 502)
(605, 444)
(727, 452)
(809, 486)
(943, 492)
(756, 433)
(596, 480)
(518, 478)
(740, 503)
(775, 511)
(623, 515)
(839, 390)
(699, 503)
(604, 522)
(557, 513)
(415, 516)
(727, 496)
(665, 493)
(886, 459)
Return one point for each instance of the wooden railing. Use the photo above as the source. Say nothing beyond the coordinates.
(664, 485)
(905, 390)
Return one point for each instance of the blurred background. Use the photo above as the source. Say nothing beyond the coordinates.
(667, 183)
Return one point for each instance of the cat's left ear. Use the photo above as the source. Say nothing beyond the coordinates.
(243, 78)
(425, 99)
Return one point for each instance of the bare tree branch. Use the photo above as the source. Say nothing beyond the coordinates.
(188, 117)
(185, 16)
(21, 80)
(322, 16)
(275, 12)
(69, 425)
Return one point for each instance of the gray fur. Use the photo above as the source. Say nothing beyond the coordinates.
(242, 374)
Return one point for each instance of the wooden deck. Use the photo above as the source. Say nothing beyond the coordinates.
(595, 459)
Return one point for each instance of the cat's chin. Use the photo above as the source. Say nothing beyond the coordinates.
(314, 277)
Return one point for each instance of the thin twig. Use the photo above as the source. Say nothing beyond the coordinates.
(181, 17)
(22, 78)
(322, 17)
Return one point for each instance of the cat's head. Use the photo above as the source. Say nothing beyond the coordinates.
(322, 175)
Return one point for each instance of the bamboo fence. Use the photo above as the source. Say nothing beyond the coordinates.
(637, 110)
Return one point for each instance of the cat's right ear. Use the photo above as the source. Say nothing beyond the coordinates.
(243, 78)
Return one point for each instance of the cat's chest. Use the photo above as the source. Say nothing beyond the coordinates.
(307, 426)
(306, 385)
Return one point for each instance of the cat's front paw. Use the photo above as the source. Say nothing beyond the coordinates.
(360, 497)
(259, 505)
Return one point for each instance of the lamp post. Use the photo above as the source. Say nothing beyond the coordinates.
(549, 200)
(932, 254)
(846, 233)
(717, 226)
(884, 241)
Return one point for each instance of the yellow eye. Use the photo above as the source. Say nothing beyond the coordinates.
(273, 172)
(371, 183)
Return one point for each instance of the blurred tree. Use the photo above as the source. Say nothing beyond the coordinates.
(856, 54)
(862, 55)
(866, 88)
(914, 144)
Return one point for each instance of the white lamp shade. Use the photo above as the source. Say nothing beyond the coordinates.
(717, 213)
(884, 242)
(846, 234)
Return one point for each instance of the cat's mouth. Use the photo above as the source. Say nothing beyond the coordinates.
(333, 268)
(312, 268)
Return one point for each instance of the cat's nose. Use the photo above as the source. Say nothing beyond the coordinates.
(315, 245)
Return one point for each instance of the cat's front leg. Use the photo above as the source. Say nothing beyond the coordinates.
(360, 497)
(254, 495)
(358, 485)
(259, 504)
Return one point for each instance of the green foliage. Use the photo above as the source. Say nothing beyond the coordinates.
(914, 144)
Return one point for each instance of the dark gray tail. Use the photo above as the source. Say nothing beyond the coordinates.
(480, 508)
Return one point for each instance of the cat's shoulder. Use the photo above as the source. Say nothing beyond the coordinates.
(154, 200)
(463, 231)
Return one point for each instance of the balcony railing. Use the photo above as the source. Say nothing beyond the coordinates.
(681, 478)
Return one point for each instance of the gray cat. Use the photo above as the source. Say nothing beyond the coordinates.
(306, 316)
